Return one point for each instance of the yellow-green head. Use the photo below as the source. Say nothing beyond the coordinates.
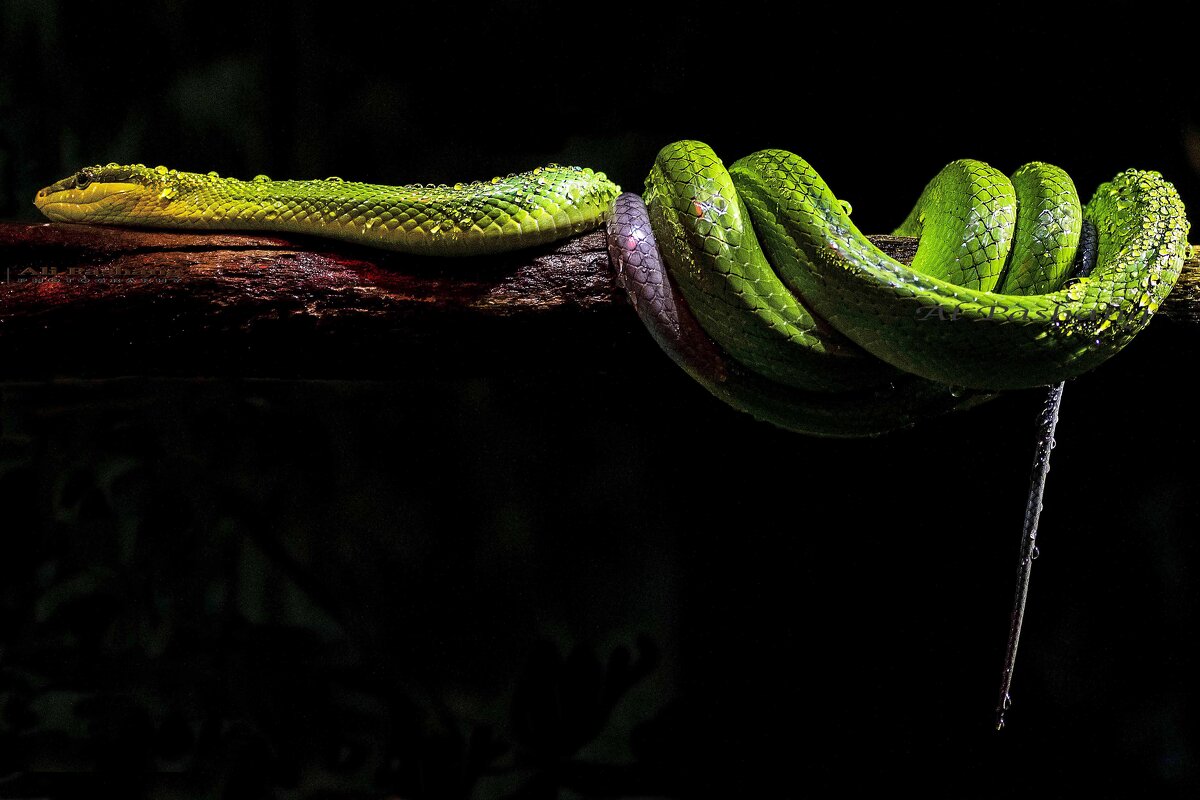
(107, 193)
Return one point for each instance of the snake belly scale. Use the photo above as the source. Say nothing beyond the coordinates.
(754, 279)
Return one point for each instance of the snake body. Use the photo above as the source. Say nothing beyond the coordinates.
(480, 217)
(754, 279)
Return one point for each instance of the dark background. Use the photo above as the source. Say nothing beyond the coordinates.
(589, 579)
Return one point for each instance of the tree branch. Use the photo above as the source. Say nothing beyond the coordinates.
(84, 300)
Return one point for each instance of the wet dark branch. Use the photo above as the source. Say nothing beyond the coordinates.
(93, 301)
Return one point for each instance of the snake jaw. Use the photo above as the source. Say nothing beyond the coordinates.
(97, 194)
(96, 203)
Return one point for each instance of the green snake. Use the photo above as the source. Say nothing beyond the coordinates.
(753, 278)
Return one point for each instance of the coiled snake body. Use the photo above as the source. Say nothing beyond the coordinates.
(787, 310)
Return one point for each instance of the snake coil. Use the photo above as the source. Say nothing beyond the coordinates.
(755, 280)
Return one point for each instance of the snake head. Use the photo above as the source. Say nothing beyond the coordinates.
(104, 193)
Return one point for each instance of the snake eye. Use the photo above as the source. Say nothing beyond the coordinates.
(82, 180)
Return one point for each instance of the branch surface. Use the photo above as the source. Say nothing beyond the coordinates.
(84, 300)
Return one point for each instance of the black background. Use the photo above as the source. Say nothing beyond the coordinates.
(232, 588)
